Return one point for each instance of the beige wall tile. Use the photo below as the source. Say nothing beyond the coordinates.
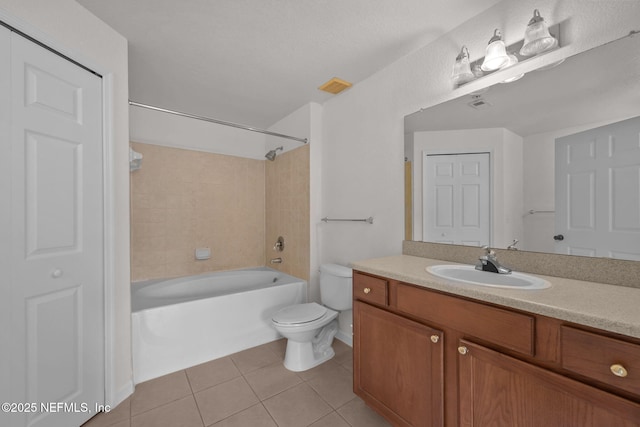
(184, 199)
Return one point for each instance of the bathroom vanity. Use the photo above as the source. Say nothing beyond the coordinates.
(433, 352)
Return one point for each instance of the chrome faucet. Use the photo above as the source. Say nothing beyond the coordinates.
(489, 262)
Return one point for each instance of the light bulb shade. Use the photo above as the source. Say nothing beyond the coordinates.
(462, 68)
(513, 60)
(537, 38)
(477, 71)
(496, 55)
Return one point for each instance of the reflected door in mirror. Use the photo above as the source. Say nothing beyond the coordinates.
(457, 198)
(598, 191)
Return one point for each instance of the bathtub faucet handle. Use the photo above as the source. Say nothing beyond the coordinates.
(279, 245)
(276, 260)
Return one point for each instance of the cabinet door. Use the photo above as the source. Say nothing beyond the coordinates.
(398, 367)
(498, 390)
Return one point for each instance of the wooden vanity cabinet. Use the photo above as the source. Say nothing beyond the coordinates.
(399, 367)
(425, 358)
(499, 390)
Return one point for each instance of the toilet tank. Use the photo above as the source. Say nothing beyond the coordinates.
(336, 286)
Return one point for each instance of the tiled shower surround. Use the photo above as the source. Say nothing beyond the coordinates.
(184, 199)
(287, 211)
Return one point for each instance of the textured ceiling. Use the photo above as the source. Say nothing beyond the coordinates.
(256, 61)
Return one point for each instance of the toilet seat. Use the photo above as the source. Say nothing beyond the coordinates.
(299, 314)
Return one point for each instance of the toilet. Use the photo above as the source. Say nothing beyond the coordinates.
(310, 328)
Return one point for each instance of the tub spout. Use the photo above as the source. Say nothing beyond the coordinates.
(276, 260)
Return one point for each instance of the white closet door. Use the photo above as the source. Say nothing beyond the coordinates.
(5, 216)
(56, 345)
(456, 199)
(598, 191)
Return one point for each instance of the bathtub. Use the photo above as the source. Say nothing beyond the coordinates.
(183, 322)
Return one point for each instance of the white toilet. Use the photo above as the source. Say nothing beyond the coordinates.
(310, 328)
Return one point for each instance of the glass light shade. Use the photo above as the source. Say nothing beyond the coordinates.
(462, 68)
(512, 61)
(536, 37)
(496, 55)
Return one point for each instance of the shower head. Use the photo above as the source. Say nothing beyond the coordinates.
(271, 155)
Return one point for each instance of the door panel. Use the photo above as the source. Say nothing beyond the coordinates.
(53, 178)
(56, 242)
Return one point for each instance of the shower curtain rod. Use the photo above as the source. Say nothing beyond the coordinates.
(220, 122)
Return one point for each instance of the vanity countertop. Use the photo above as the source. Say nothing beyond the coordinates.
(607, 307)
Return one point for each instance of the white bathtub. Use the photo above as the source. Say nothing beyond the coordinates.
(182, 322)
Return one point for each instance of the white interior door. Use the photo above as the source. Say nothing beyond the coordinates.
(54, 230)
(456, 199)
(598, 191)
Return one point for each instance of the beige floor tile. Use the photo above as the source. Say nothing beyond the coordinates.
(331, 420)
(297, 407)
(271, 380)
(183, 413)
(335, 386)
(212, 373)
(120, 413)
(159, 391)
(254, 358)
(340, 347)
(125, 423)
(221, 401)
(358, 414)
(346, 360)
(322, 369)
(279, 347)
(256, 416)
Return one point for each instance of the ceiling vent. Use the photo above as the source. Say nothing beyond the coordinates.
(478, 103)
(335, 86)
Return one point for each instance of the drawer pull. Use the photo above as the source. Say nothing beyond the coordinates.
(435, 338)
(463, 350)
(367, 290)
(618, 370)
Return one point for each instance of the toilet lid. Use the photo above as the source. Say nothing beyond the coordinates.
(299, 313)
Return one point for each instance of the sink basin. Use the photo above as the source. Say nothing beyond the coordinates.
(468, 274)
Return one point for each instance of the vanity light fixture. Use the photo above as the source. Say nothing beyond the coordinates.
(496, 56)
(462, 69)
(537, 38)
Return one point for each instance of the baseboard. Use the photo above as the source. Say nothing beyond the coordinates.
(345, 338)
(122, 394)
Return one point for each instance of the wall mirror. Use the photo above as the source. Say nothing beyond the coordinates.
(527, 129)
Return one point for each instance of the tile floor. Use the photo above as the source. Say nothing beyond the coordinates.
(248, 389)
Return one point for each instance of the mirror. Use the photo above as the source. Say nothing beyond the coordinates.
(518, 124)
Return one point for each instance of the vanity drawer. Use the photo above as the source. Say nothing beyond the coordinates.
(505, 328)
(370, 289)
(596, 356)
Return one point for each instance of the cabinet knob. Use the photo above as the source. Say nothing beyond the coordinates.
(618, 370)
(463, 350)
(367, 290)
(435, 338)
(57, 273)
